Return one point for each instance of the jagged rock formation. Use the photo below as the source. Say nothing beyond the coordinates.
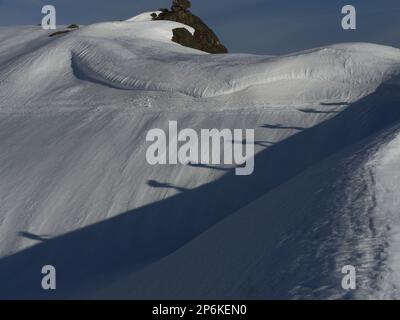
(204, 38)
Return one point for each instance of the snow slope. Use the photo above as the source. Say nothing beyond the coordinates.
(76, 190)
(298, 247)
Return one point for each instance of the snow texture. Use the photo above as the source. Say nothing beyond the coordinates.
(76, 191)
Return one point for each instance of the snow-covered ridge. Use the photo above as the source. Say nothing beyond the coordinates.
(127, 55)
(143, 17)
(76, 189)
(340, 65)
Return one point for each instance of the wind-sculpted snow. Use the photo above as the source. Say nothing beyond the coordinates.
(77, 192)
(133, 66)
(139, 55)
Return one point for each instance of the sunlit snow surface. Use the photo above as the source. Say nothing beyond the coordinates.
(76, 190)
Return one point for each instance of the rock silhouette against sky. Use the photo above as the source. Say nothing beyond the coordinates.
(204, 38)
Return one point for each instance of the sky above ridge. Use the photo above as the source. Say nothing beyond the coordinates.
(248, 26)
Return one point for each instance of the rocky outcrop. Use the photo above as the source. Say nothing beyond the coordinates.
(204, 38)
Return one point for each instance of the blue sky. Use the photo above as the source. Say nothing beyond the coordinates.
(254, 26)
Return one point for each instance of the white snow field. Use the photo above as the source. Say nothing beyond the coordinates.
(77, 192)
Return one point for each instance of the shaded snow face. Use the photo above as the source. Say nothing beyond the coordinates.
(385, 167)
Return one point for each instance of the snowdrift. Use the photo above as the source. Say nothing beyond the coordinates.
(139, 55)
(76, 190)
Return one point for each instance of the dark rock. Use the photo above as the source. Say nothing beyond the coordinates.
(59, 33)
(73, 26)
(183, 37)
(204, 38)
